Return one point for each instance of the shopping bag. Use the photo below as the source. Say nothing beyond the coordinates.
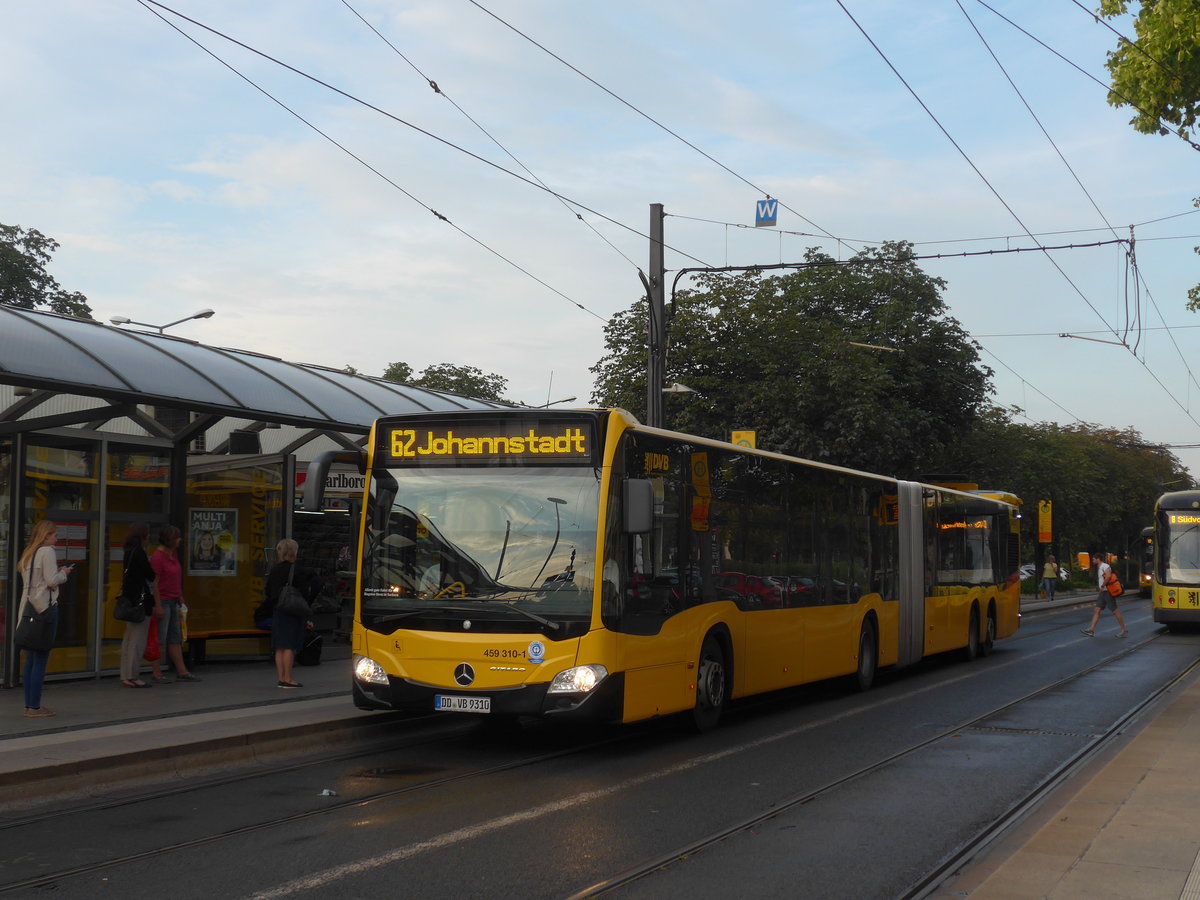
(152, 652)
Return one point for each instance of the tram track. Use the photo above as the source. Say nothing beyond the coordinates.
(967, 851)
(954, 861)
(333, 807)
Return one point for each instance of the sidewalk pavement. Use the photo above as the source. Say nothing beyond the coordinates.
(105, 734)
(1127, 826)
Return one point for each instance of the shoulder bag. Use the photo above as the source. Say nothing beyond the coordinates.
(35, 630)
(291, 601)
(128, 609)
(1113, 585)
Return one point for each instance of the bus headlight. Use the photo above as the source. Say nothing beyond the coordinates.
(579, 680)
(368, 671)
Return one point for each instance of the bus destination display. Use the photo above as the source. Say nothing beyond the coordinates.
(530, 442)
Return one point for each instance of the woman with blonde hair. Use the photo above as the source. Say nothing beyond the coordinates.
(288, 632)
(41, 575)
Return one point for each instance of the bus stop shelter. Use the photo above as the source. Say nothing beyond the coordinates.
(102, 427)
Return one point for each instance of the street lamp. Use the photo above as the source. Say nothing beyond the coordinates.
(678, 388)
(125, 320)
(552, 403)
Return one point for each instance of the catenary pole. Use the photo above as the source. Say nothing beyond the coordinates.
(656, 355)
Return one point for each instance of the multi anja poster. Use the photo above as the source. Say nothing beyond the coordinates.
(211, 541)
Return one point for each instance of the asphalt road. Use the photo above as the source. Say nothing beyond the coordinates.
(840, 794)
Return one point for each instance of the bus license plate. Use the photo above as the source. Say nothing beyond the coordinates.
(455, 703)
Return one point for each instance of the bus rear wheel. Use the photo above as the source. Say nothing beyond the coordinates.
(971, 651)
(711, 694)
(989, 637)
(868, 657)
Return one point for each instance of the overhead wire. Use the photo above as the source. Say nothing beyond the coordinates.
(1003, 202)
(1084, 72)
(647, 116)
(364, 163)
(404, 122)
(1131, 321)
(437, 89)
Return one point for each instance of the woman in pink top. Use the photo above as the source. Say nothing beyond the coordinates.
(168, 594)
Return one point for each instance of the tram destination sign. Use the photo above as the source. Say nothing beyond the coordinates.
(518, 441)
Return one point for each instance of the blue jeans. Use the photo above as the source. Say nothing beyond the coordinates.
(34, 675)
(1048, 586)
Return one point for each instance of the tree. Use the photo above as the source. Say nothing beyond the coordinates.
(465, 380)
(24, 281)
(784, 355)
(1102, 481)
(1159, 73)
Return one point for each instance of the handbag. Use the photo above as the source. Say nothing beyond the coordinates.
(291, 601)
(128, 609)
(35, 630)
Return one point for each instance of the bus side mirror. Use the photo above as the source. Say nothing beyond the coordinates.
(318, 470)
(638, 497)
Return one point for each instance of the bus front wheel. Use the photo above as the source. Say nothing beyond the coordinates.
(711, 692)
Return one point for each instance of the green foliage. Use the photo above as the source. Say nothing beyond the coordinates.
(1159, 73)
(778, 354)
(1102, 481)
(24, 281)
(466, 380)
(399, 372)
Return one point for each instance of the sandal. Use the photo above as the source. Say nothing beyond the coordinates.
(290, 684)
(187, 676)
(159, 679)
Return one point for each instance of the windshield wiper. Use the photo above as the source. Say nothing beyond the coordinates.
(419, 611)
(541, 620)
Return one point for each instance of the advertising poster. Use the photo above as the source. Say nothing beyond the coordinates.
(211, 541)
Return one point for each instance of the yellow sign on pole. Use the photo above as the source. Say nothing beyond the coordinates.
(1045, 530)
(743, 439)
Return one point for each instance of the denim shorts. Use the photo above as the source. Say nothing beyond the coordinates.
(170, 632)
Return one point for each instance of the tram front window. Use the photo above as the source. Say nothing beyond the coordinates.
(509, 549)
(1182, 551)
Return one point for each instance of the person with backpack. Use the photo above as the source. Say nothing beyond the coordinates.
(1106, 598)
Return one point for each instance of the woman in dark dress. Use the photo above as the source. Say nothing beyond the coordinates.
(135, 584)
(288, 632)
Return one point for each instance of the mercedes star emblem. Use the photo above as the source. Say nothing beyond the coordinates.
(464, 674)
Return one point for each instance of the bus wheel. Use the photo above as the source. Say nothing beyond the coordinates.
(971, 651)
(868, 653)
(989, 637)
(710, 686)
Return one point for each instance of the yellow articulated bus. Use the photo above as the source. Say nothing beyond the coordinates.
(577, 564)
(1175, 592)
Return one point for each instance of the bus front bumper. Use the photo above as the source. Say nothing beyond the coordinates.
(1176, 616)
(603, 704)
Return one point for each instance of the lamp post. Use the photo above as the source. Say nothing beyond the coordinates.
(125, 320)
(554, 403)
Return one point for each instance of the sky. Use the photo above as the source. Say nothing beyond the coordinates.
(380, 220)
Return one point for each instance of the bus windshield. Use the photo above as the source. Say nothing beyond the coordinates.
(501, 549)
